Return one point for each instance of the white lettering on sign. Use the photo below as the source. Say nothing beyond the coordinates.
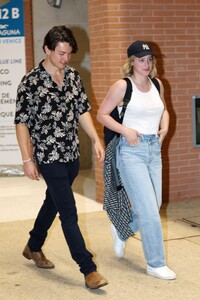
(4, 71)
(5, 14)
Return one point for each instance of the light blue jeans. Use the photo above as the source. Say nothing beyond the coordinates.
(140, 169)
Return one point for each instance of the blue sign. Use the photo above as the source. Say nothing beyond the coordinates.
(12, 19)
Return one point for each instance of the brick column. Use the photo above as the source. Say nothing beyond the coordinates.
(109, 37)
(28, 28)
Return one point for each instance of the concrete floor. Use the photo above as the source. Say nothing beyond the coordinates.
(20, 279)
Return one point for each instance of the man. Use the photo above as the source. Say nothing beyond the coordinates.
(51, 101)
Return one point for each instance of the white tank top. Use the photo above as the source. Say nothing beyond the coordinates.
(144, 110)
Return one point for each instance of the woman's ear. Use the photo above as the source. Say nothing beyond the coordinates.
(132, 61)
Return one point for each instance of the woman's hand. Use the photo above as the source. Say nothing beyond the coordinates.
(131, 136)
(162, 133)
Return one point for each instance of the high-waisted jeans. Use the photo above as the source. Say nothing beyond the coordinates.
(60, 199)
(140, 169)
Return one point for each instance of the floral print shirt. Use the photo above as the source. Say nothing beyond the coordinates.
(51, 113)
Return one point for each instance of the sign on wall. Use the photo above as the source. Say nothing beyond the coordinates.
(12, 69)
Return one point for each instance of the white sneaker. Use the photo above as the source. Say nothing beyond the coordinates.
(161, 272)
(119, 245)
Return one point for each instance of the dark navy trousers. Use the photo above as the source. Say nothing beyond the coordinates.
(60, 199)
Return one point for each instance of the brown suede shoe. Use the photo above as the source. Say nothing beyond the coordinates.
(94, 280)
(38, 257)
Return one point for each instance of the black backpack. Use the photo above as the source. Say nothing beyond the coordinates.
(109, 134)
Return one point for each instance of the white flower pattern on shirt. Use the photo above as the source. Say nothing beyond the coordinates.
(51, 113)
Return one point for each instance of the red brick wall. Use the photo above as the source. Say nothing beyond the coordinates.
(173, 27)
(28, 26)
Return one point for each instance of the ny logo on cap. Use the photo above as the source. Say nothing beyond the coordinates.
(145, 47)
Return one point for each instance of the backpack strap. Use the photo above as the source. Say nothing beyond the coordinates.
(128, 93)
(127, 97)
(109, 134)
(156, 83)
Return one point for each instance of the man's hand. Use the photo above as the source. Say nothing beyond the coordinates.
(88, 126)
(31, 170)
(99, 151)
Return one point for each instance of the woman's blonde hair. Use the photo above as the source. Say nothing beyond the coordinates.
(128, 70)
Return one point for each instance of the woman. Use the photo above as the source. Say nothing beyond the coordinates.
(143, 130)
